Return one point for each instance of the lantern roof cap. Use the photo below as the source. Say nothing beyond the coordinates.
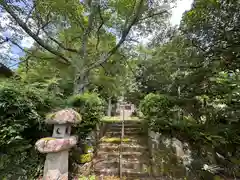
(64, 116)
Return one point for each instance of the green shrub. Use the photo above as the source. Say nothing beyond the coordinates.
(155, 105)
(80, 158)
(177, 122)
(22, 109)
(90, 107)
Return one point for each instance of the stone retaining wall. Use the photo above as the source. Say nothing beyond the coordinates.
(169, 156)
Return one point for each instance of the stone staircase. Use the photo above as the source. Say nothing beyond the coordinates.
(135, 156)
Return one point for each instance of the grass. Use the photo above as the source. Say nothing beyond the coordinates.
(115, 140)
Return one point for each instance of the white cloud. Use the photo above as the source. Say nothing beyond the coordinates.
(27, 42)
(5, 20)
(181, 7)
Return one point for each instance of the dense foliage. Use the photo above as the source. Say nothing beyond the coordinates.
(91, 108)
(155, 105)
(22, 111)
(198, 69)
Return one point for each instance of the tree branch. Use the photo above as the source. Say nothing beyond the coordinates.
(154, 14)
(25, 60)
(198, 46)
(30, 12)
(102, 22)
(5, 70)
(87, 30)
(60, 44)
(126, 63)
(62, 59)
(4, 40)
(28, 52)
(43, 25)
(125, 32)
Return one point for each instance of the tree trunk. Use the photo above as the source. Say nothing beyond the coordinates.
(179, 111)
(109, 106)
(80, 83)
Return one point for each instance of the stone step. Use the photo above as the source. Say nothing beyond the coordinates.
(124, 161)
(119, 133)
(127, 122)
(108, 149)
(136, 165)
(125, 147)
(129, 173)
(126, 125)
(117, 153)
(119, 128)
(127, 156)
(134, 149)
(117, 140)
(142, 166)
(107, 145)
(103, 163)
(129, 126)
(137, 138)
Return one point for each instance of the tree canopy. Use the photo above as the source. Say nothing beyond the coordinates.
(197, 70)
(81, 35)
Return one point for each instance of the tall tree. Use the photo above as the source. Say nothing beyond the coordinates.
(69, 30)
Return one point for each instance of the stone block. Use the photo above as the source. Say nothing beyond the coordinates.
(56, 166)
(65, 116)
(50, 145)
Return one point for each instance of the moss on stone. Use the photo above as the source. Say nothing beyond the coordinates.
(216, 177)
(84, 158)
(48, 138)
(114, 140)
(91, 177)
(87, 148)
(50, 116)
(112, 119)
(59, 117)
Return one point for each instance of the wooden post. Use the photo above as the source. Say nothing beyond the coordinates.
(122, 136)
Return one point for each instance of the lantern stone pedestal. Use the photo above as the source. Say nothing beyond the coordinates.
(57, 147)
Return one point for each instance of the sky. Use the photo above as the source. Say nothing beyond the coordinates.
(181, 7)
(27, 42)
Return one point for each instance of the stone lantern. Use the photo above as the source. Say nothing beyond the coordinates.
(57, 147)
